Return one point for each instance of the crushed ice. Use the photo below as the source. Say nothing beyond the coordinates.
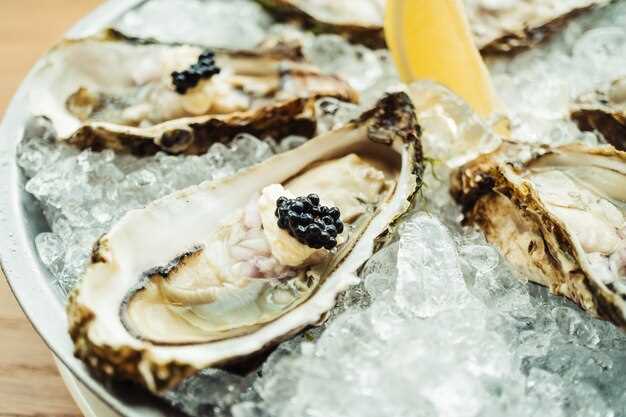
(471, 339)
(440, 325)
(537, 86)
(84, 193)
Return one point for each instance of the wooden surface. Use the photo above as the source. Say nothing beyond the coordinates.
(30, 384)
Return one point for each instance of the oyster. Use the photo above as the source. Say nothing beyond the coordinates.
(360, 21)
(113, 92)
(498, 26)
(207, 276)
(604, 111)
(507, 26)
(559, 215)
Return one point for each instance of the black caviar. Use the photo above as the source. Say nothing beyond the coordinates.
(311, 224)
(205, 68)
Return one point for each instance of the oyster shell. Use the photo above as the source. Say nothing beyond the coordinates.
(604, 110)
(360, 21)
(498, 26)
(113, 92)
(176, 287)
(508, 26)
(558, 215)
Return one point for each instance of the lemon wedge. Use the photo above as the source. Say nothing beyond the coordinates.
(431, 39)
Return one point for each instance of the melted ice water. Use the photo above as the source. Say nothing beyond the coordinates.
(440, 325)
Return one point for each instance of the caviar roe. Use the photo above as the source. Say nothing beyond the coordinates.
(307, 221)
(205, 68)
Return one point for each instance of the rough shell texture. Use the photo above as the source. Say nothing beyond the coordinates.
(502, 27)
(170, 227)
(369, 33)
(194, 136)
(511, 210)
(603, 112)
(506, 27)
(109, 62)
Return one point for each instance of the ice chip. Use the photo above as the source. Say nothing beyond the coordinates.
(333, 113)
(379, 273)
(207, 389)
(452, 132)
(571, 324)
(378, 284)
(360, 66)
(247, 150)
(248, 409)
(51, 249)
(429, 275)
(483, 258)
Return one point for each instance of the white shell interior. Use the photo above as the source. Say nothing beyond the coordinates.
(87, 63)
(169, 227)
(587, 192)
(361, 12)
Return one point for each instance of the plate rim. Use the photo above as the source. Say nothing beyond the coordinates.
(28, 279)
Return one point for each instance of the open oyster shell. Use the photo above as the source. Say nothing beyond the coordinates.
(113, 92)
(558, 215)
(149, 309)
(498, 26)
(604, 110)
(360, 21)
(508, 26)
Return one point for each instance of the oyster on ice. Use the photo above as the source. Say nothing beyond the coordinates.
(604, 111)
(360, 21)
(510, 25)
(498, 26)
(558, 215)
(211, 275)
(113, 92)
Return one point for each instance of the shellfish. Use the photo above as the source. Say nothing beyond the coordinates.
(360, 21)
(604, 111)
(508, 26)
(498, 26)
(558, 215)
(207, 277)
(110, 91)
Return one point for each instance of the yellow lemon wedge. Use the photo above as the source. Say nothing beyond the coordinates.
(431, 39)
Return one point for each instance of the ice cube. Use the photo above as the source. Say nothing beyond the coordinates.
(51, 249)
(452, 132)
(332, 113)
(429, 276)
(209, 390)
(249, 409)
(359, 65)
(379, 273)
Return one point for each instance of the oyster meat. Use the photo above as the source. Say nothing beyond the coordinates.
(113, 92)
(208, 276)
(510, 25)
(558, 215)
(604, 110)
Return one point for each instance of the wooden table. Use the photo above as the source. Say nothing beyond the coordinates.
(30, 384)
